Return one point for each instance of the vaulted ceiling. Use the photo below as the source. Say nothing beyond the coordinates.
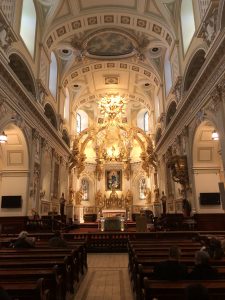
(109, 46)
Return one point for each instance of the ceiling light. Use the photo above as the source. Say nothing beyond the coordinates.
(3, 138)
(215, 135)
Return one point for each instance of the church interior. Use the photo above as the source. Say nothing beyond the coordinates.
(112, 117)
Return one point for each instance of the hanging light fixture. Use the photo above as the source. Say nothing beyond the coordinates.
(215, 135)
(3, 138)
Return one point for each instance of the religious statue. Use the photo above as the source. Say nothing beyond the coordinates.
(71, 195)
(79, 196)
(62, 202)
(99, 201)
(129, 198)
(113, 198)
(163, 200)
(148, 195)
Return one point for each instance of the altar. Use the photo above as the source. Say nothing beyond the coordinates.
(116, 223)
(113, 213)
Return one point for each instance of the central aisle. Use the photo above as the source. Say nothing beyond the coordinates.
(107, 278)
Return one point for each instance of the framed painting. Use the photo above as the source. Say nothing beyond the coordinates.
(113, 178)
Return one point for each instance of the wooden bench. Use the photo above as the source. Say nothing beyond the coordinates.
(20, 290)
(167, 290)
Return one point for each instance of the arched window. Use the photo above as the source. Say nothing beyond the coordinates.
(82, 120)
(66, 112)
(167, 73)
(85, 189)
(146, 119)
(187, 22)
(142, 189)
(53, 75)
(28, 25)
(78, 123)
(143, 120)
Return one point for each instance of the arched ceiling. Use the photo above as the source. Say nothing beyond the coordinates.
(107, 46)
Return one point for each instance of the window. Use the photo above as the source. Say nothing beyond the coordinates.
(28, 25)
(146, 119)
(143, 120)
(78, 123)
(53, 75)
(142, 189)
(187, 22)
(85, 189)
(167, 73)
(82, 120)
(66, 112)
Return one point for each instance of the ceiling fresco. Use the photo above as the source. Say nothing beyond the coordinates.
(109, 44)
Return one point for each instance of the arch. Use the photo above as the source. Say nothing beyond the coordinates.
(23, 73)
(207, 166)
(171, 111)
(14, 160)
(187, 21)
(82, 24)
(193, 68)
(28, 25)
(65, 137)
(50, 114)
(158, 134)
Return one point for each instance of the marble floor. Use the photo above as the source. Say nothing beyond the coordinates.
(107, 278)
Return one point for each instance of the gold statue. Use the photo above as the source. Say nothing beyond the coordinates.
(99, 201)
(129, 198)
(148, 195)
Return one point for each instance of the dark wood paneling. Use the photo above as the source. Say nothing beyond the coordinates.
(210, 221)
(13, 224)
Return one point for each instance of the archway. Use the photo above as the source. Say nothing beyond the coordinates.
(22, 72)
(14, 172)
(49, 112)
(207, 168)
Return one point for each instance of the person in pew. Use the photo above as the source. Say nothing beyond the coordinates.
(202, 269)
(4, 295)
(171, 269)
(196, 292)
(214, 248)
(24, 241)
(57, 241)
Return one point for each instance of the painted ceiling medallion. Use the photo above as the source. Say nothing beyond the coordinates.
(109, 44)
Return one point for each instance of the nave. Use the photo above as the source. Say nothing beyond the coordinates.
(107, 278)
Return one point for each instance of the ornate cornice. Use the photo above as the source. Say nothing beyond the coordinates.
(20, 100)
(211, 75)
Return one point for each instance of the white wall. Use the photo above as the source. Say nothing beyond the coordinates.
(207, 183)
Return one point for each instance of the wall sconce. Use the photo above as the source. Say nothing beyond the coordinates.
(215, 135)
(3, 138)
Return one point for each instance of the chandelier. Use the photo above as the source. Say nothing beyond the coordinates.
(112, 107)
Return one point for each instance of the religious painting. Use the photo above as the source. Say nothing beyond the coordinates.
(113, 179)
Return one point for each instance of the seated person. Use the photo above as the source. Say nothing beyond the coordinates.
(24, 241)
(202, 268)
(171, 269)
(57, 241)
(196, 292)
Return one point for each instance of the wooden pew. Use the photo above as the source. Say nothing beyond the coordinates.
(20, 290)
(167, 290)
(52, 277)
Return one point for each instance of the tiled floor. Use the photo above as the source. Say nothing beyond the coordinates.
(107, 278)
